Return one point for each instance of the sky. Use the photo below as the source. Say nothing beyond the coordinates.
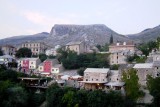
(25, 17)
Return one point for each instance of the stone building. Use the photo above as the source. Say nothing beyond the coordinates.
(95, 78)
(144, 69)
(79, 47)
(36, 47)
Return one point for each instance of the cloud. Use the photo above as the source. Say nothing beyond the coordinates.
(38, 18)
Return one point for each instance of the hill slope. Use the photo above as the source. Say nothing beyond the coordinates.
(146, 35)
(16, 40)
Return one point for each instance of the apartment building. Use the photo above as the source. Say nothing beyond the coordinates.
(36, 47)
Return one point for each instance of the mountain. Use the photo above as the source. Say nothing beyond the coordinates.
(93, 34)
(16, 40)
(146, 35)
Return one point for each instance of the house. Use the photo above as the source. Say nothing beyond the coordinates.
(8, 50)
(153, 56)
(95, 78)
(144, 69)
(36, 47)
(28, 65)
(115, 82)
(50, 66)
(79, 47)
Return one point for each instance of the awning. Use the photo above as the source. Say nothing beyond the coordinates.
(115, 84)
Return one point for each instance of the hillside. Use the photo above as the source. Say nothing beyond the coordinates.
(93, 34)
(16, 40)
(146, 35)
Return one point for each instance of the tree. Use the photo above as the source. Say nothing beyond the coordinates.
(81, 71)
(17, 97)
(111, 39)
(154, 88)
(130, 78)
(23, 52)
(42, 57)
(1, 52)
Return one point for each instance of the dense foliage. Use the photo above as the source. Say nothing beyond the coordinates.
(71, 60)
(23, 52)
(70, 97)
(130, 78)
(42, 57)
(136, 59)
(154, 88)
(103, 48)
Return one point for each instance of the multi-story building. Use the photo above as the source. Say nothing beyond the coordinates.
(8, 50)
(28, 64)
(122, 46)
(36, 47)
(144, 69)
(79, 47)
(50, 66)
(120, 51)
(95, 78)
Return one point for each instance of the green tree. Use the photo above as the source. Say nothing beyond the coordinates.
(130, 78)
(1, 52)
(154, 88)
(81, 71)
(17, 97)
(42, 57)
(23, 52)
(111, 39)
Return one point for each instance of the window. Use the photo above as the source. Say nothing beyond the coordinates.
(40, 68)
(92, 79)
(31, 62)
(117, 79)
(96, 79)
(128, 76)
(86, 79)
(157, 67)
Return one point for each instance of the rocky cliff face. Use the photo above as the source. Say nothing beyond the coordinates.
(93, 34)
(146, 35)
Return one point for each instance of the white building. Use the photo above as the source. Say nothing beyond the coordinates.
(52, 51)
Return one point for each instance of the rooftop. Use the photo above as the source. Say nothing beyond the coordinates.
(97, 70)
(74, 43)
(143, 65)
(31, 59)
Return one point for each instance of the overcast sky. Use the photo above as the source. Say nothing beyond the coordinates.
(23, 17)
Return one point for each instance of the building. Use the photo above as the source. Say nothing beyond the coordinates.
(28, 65)
(115, 82)
(144, 69)
(6, 59)
(50, 66)
(120, 51)
(52, 51)
(120, 56)
(95, 78)
(8, 50)
(36, 47)
(122, 46)
(79, 47)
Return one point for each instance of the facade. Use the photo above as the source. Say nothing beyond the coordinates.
(120, 56)
(50, 66)
(79, 47)
(95, 78)
(28, 64)
(36, 47)
(115, 82)
(122, 46)
(8, 50)
(143, 70)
